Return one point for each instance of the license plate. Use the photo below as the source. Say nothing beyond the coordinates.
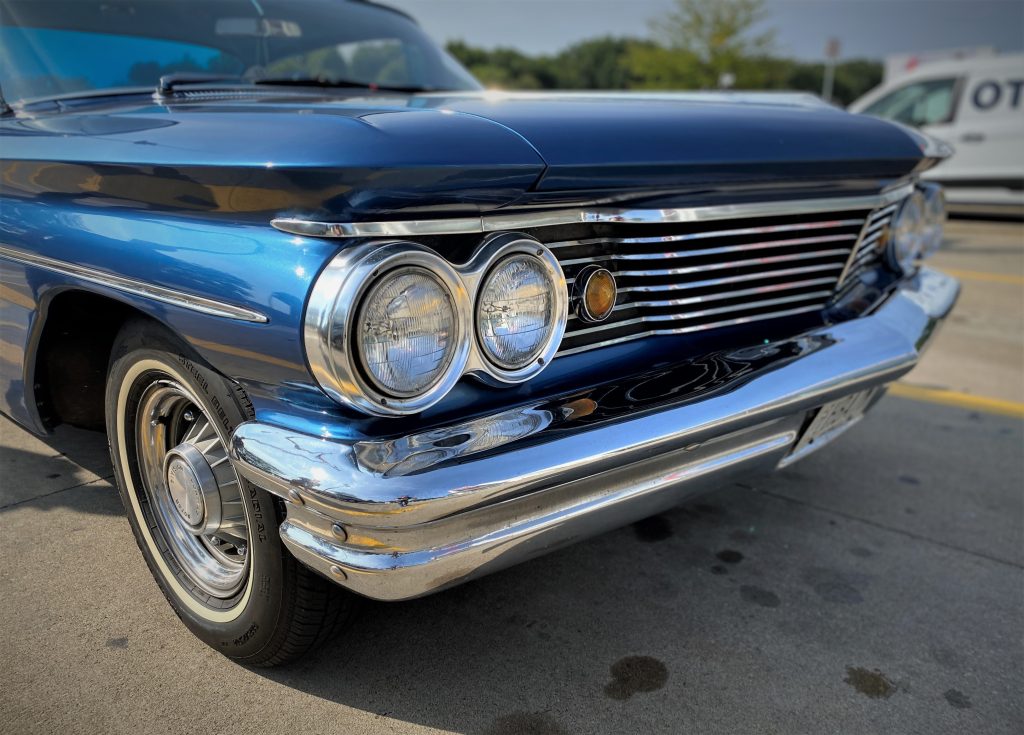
(830, 421)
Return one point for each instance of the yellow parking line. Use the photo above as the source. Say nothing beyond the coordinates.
(983, 276)
(961, 400)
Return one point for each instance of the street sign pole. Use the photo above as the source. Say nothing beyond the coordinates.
(828, 80)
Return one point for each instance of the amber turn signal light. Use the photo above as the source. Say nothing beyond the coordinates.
(596, 294)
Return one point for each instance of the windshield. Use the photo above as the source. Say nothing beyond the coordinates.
(919, 103)
(61, 47)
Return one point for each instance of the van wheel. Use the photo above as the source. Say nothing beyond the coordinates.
(210, 537)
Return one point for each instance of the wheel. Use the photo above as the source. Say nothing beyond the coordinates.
(209, 537)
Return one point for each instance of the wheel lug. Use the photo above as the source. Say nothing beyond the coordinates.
(189, 416)
(243, 550)
(215, 541)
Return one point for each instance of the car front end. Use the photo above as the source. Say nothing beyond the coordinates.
(350, 321)
(401, 515)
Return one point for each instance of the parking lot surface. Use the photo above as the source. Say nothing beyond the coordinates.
(877, 586)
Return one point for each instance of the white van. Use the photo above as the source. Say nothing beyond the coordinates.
(976, 105)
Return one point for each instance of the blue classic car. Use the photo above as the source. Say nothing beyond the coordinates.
(356, 327)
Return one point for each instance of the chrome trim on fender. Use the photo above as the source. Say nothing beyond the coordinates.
(438, 507)
(526, 220)
(135, 287)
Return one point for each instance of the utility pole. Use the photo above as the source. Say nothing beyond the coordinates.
(829, 78)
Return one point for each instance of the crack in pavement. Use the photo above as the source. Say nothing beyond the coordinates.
(16, 503)
(882, 526)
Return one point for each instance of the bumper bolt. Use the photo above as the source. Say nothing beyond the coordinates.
(338, 572)
(339, 531)
(293, 495)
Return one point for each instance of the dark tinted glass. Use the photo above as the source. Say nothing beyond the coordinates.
(53, 47)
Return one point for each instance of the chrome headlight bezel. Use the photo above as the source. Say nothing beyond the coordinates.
(934, 217)
(331, 332)
(907, 229)
(492, 254)
(337, 297)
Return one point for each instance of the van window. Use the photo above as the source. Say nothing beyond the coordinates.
(919, 103)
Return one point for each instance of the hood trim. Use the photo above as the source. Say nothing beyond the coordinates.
(551, 218)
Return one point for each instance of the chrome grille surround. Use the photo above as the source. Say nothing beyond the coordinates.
(765, 260)
(703, 276)
(867, 254)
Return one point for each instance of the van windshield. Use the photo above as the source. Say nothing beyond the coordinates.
(919, 103)
(64, 47)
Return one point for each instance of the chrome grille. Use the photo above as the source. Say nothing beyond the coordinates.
(691, 277)
(867, 254)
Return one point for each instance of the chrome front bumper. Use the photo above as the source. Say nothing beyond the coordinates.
(404, 517)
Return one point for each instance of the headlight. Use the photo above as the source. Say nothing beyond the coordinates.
(521, 310)
(934, 218)
(907, 234)
(515, 313)
(387, 328)
(406, 331)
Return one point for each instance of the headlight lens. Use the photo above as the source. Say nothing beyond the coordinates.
(934, 218)
(406, 331)
(907, 233)
(516, 312)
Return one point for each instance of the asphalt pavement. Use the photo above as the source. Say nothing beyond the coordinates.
(876, 586)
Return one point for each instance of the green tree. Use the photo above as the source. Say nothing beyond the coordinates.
(600, 63)
(719, 35)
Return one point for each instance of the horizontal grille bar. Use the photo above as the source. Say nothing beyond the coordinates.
(765, 230)
(732, 279)
(821, 296)
(721, 295)
(689, 277)
(841, 252)
(718, 251)
(693, 328)
(866, 254)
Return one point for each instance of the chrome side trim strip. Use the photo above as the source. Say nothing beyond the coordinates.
(550, 218)
(135, 287)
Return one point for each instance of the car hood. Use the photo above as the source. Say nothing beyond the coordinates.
(609, 140)
(301, 153)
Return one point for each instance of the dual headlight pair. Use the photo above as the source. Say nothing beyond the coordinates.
(917, 227)
(391, 327)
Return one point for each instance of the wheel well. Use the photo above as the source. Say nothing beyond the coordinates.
(73, 355)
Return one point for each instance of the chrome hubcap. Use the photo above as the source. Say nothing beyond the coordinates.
(192, 488)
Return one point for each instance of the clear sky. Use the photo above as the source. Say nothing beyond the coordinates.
(866, 28)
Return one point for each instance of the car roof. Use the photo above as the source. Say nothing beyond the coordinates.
(957, 67)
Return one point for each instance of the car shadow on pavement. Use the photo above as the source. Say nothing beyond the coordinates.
(539, 648)
(855, 589)
(54, 467)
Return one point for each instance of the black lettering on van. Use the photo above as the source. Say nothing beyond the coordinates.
(987, 95)
(1015, 86)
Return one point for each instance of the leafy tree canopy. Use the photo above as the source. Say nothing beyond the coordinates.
(700, 44)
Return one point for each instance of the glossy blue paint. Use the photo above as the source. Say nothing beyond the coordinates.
(180, 194)
(614, 141)
(236, 263)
